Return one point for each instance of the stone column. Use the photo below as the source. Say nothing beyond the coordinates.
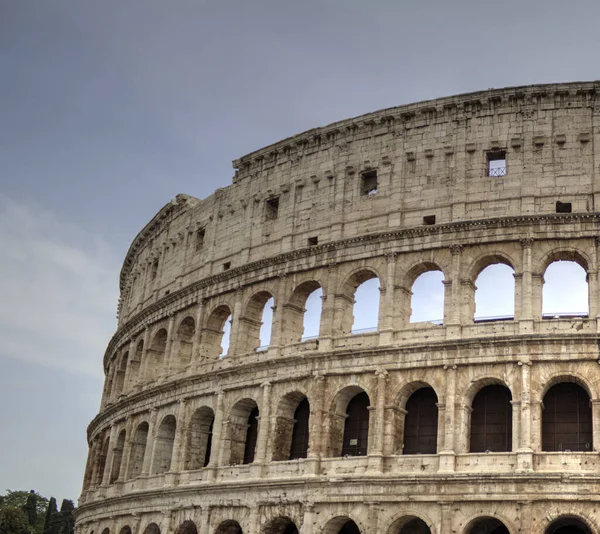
(524, 309)
(217, 452)
(373, 515)
(596, 424)
(308, 522)
(280, 299)
(327, 328)
(536, 425)
(595, 294)
(446, 518)
(127, 379)
(178, 444)
(169, 352)
(204, 520)
(144, 359)
(198, 334)
(376, 449)
(386, 303)
(234, 337)
(316, 421)
(447, 454)
(112, 442)
(263, 425)
(126, 449)
(150, 443)
(452, 300)
(525, 453)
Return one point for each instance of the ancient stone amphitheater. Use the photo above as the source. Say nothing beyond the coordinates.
(463, 425)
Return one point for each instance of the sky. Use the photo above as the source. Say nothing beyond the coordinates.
(108, 109)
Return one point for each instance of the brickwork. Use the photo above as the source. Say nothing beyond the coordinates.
(195, 440)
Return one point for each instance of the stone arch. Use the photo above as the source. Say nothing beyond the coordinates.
(490, 427)
(187, 527)
(117, 457)
(564, 254)
(107, 531)
(156, 354)
(295, 312)
(346, 300)
(503, 284)
(420, 422)
(138, 451)
(135, 362)
(199, 438)
(280, 525)
(342, 525)
(124, 530)
(488, 524)
(214, 334)
(185, 334)
(410, 524)
(242, 431)
(291, 436)
(163, 446)
(349, 432)
(487, 259)
(120, 373)
(229, 527)
(570, 524)
(101, 461)
(152, 528)
(431, 291)
(251, 322)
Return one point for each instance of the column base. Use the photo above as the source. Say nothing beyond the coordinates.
(386, 337)
(375, 463)
(325, 344)
(312, 466)
(453, 331)
(447, 462)
(526, 326)
(524, 461)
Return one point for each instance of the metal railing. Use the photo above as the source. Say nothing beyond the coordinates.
(497, 171)
(364, 330)
(493, 318)
(308, 338)
(565, 315)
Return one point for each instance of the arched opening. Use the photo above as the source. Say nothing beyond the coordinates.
(292, 428)
(495, 293)
(101, 465)
(243, 432)
(187, 527)
(199, 439)
(409, 525)
(487, 525)
(229, 527)
(302, 314)
(421, 422)
(257, 322)
(216, 333)
(567, 419)
(152, 528)
(117, 457)
(185, 339)
(358, 311)
(135, 363)
(107, 531)
(281, 525)
(163, 448)
(565, 290)
(156, 354)
(427, 298)
(491, 420)
(125, 530)
(138, 451)
(568, 525)
(355, 440)
(119, 383)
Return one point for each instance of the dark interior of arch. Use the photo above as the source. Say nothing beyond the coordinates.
(187, 527)
(299, 447)
(281, 525)
(356, 427)
(568, 525)
(349, 528)
(229, 527)
(488, 525)
(491, 420)
(421, 423)
(415, 526)
(567, 419)
(251, 437)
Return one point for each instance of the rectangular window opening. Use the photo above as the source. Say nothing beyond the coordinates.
(368, 185)
(272, 208)
(200, 238)
(563, 207)
(312, 241)
(429, 220)
(496, 163)
(227, 266)
(154, 269)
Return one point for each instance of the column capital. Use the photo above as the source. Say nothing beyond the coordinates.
(455, 249)
(381, 373)
(526, 242)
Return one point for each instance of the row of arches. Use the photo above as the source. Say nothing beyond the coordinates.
(346, 525)
(357, 309)
(566, 425)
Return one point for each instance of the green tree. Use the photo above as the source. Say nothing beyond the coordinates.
(13, 521)
(67, 521)
(52, 519)
(30, 508)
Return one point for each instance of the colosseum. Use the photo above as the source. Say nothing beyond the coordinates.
(212, 423)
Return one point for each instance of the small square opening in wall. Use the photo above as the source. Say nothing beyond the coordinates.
(368, 183)
(227, 266)
(312, 241)
(272, 208)
(200, 238)
(429, 220)
(563, 207)
(496, 163)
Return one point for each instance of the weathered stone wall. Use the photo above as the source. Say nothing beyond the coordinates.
(168, 389)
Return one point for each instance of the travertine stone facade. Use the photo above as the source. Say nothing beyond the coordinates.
(461, 427)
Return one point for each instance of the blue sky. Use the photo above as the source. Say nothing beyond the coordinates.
(109, 109)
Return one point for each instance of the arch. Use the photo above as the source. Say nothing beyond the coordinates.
(341, 525)
(292, 427)
(567, 419)
(152, 528)
(358, 302)
(486, 260)
(216, 333)
(185, 340)
(199, 438)
(421, 422)
(355, 440)
(257, 321)
(117, 457)
(124, 530)
(138, 451)
(107, 531)
(302, 312)
(120, 372)
(163, 447)
(187, 527)
(426, 283)
(494, 288)
(229, 527)
(409, 524)
(135, 362)
(101, 462)
(486, 525)
(569, 524)
(156, 353)
(280, 525)
(565, 291)
(565, 254)
(491, 420)
(243, 431)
